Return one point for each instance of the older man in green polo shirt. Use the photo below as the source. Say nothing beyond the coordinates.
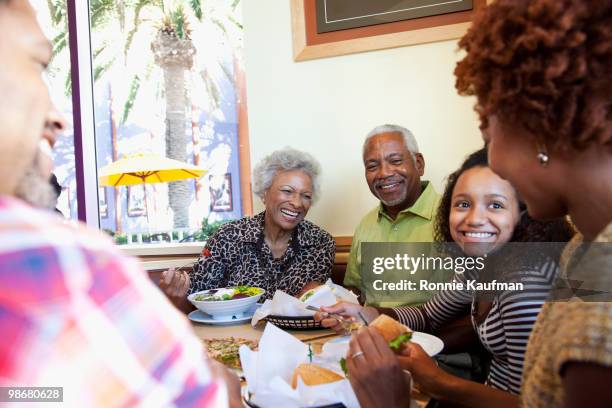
(393, 170)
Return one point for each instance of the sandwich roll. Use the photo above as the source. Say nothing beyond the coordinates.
(309, 293)
(312, 374)
(394, 333)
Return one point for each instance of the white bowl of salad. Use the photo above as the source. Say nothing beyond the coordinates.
(226, 303)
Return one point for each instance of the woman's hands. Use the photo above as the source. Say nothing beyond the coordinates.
(347, 310)
(175, 284)
(425, 372)
(375, 372)
(442, 386)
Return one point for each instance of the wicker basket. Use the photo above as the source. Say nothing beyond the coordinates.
(294, 322)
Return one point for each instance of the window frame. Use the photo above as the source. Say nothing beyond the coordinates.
(81, 62)
(79, 37)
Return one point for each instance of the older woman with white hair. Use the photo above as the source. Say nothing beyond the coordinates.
(275, 249)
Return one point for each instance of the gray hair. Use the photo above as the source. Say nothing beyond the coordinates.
(286, 159)
(409, 139)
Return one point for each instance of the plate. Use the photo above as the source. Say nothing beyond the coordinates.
(200, 317)
(430, 343)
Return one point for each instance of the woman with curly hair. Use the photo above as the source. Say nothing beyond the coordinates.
(479, 213)
(541, 72)
(277, 249)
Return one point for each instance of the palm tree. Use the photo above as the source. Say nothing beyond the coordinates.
(173, 52)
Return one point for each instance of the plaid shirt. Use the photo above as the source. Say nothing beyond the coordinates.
(74, 313)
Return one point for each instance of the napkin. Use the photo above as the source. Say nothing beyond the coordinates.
(341, 292)
(283, 304)
(269, 371)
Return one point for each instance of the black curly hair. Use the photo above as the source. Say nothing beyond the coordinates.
(527, 229)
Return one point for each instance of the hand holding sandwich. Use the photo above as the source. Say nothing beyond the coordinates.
(375, 372)
(425, 372)
(443, 386)
(412, 357)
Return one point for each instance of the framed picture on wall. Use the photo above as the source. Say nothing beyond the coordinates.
(221, 192)
(136, 201)
(327, 28)
(103, 202)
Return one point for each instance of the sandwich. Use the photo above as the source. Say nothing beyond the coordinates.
(394, 333)
(310, 292)
(312, 374)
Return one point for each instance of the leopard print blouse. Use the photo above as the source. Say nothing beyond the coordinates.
(237, 254)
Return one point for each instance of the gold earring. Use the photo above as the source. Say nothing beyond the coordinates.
(542, 156)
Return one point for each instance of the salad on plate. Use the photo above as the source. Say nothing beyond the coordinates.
(237, 292)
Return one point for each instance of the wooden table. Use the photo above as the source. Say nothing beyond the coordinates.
(245, 330)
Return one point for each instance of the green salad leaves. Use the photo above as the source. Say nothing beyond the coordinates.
(396, 343)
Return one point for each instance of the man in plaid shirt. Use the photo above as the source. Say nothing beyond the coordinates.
(75, 313)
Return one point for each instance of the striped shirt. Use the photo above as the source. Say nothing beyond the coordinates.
(505, 330)
(75, 313)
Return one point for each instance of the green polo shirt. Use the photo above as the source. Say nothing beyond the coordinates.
(414, 224)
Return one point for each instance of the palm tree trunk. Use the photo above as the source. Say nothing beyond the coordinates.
(175, 57)
(176, 140)
(195, 140)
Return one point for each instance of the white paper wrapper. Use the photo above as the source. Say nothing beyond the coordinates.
(341, 292)
(324, 296)
(269, 371)
(283, 304)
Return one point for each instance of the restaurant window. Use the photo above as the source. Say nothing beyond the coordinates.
(52, 19)
(165, 81)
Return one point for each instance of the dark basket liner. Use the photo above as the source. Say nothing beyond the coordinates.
(247, 400)
(338, 405)
(294, 322)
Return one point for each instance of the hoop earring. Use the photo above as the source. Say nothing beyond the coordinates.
(542, 156)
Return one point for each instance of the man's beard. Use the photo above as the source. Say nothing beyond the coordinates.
(393, 203)
(35, 189)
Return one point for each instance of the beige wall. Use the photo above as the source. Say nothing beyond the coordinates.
(327, 106)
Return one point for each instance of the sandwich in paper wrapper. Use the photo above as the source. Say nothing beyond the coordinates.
(282, 360)
(283, 304)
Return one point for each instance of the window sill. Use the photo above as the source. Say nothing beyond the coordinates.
(159, 257)
(162, 265)
(164, 249)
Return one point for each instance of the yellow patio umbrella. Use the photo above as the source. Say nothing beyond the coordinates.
(146, 168)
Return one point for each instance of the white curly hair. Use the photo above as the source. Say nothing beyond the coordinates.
(286, 159)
